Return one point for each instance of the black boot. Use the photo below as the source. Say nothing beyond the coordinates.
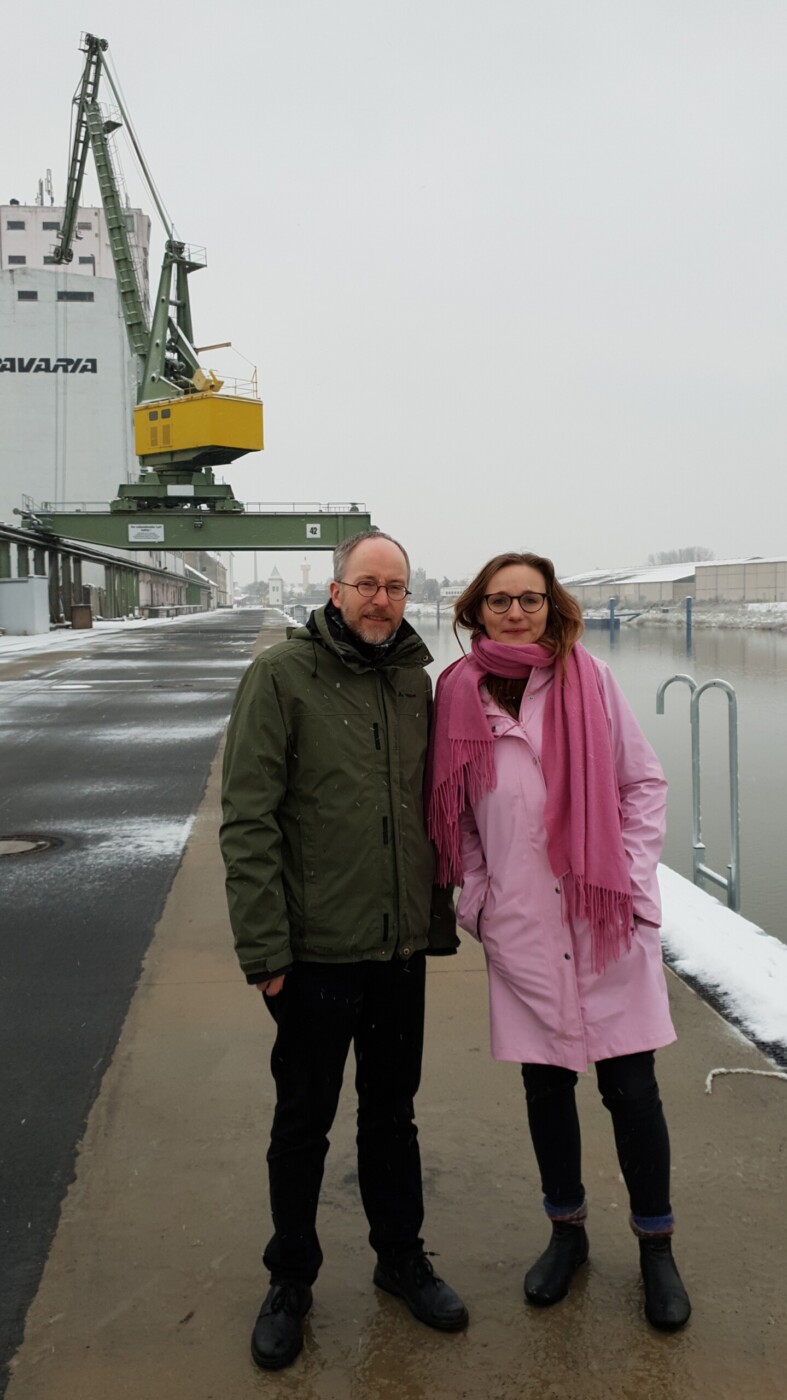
(548, 1280)
(278, 1332)
(427, 1296)
(666, 1301)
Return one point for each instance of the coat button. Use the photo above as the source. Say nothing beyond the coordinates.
(567, 957)
(406, 952)
(557, 889)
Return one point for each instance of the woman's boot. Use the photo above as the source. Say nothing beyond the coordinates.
(549, 1279)
(667, 1303)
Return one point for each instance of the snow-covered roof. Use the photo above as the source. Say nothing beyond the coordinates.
(750, 559)
(654, 573)
(663, 573)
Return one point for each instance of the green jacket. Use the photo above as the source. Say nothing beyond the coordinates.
(323, 835)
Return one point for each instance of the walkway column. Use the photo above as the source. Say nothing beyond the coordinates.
(67, 595)
(55, 610)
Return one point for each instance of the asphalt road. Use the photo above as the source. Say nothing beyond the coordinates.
(106, 754)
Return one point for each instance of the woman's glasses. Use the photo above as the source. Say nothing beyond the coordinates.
(528, 602)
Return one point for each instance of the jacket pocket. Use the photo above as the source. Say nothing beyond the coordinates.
(471, 907)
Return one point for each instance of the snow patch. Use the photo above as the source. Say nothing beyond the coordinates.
(743, 966)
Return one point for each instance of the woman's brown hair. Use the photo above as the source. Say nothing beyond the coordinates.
(564, 623)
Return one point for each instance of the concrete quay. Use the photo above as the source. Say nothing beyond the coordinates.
(154, 1276)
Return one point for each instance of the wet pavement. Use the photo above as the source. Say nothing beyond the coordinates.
(153, 1278)
(105, 750)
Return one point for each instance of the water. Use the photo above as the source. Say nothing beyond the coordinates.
(755, 663)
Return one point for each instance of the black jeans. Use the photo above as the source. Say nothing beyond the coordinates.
(629, 1091)
(320, 1011)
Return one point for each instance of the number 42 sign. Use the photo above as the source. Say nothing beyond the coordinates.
(313, 531)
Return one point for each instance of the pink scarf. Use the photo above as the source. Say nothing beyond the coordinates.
(582, 814)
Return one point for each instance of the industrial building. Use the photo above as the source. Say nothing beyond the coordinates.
(67, 392)
(668, 585)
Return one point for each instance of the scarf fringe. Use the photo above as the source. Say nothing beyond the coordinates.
(472, 773)
(610, 914)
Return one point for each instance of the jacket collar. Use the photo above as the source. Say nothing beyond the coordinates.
(407, 648)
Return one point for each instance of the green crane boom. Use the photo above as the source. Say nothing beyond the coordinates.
(90, 129)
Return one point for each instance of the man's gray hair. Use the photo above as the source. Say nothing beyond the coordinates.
(343, 551)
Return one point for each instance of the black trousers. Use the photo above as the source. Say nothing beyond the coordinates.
(321, 1010)
(629, 1091)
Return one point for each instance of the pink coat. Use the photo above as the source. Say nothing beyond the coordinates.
(546, 1004)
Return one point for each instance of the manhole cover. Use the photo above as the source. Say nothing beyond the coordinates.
(26, 845)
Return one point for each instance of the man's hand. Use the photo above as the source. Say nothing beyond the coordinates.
(271, 986)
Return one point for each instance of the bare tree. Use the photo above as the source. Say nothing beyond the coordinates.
(691, 554)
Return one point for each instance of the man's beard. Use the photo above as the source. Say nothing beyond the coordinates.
(371, 632)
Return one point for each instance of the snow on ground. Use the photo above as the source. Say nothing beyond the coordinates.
(763, 617)
(64, 638)
(742, 967)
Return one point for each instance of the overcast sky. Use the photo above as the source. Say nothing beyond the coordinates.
(513, 272)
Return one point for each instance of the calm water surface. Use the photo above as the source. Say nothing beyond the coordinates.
(755, 663)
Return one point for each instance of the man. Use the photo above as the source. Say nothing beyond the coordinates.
(329, 885)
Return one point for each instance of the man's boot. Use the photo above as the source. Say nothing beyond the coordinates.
(278, 1332)
(548, 1280)
(428, 1297)
(667, 1303)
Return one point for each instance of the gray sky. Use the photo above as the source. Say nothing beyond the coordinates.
(513, 272)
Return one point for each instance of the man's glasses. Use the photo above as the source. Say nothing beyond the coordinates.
(528, 602)
(369, 589)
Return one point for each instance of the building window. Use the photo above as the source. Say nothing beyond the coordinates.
(16, 260)
(47, 260)
(27, 296)
(15, 223)
(85, 225)
(52, 224)
(75, 296)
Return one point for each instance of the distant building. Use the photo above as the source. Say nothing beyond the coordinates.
(211, 567)
(67, 375)
(707, 581)
(742, 581)
(275, 589)
(29, 232)
(632, 588)
(68, 380)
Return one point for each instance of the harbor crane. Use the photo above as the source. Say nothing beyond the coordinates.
(185, 420)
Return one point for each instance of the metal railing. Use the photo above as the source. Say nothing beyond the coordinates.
(305, 507)
(701, 871)
(70, 508)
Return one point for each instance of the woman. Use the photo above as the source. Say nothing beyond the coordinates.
(547, 805)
